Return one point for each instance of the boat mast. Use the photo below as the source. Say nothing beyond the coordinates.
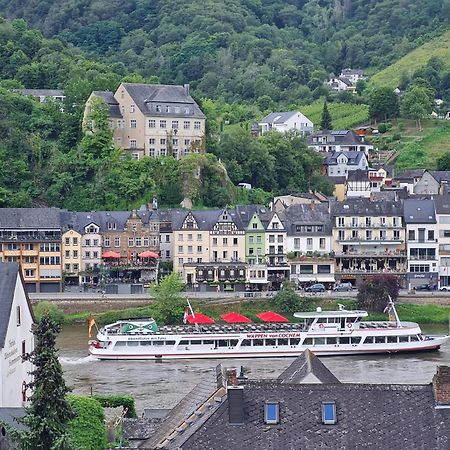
(390, 309)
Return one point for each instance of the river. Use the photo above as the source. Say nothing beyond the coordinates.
(163, 384)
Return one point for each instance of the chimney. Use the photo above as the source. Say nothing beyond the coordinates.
(231, 377)
(186, 89)
(441, 386)
(235, 395)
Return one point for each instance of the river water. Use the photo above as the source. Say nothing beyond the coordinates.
(163, 384)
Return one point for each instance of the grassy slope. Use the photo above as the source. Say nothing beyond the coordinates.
(418, 149)
(344, 115)
(439, 47)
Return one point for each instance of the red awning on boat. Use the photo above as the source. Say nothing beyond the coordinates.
(199, 318)
(234, 317)
(148, 254)
(270, 316)
(110, 254)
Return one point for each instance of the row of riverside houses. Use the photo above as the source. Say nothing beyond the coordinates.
(308, 239)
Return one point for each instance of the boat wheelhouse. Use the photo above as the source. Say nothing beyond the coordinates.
(323, 332)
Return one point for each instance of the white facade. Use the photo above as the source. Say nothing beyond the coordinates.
(309, 244)
(284, 122)
(312, 270)
(91, 247)
(14, 373)
(423, 254)
(443, 226)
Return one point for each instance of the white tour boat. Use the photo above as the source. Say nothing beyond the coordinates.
(323, 332)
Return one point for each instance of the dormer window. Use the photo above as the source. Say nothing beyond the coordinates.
(158, 108)
(329, 413)
(272, 413)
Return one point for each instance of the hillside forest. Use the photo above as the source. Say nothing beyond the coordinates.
(243, 59)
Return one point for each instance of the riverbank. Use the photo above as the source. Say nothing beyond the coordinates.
(420, 313)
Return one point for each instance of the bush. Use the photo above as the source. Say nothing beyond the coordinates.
(115, 401)
(396, 137)
(48, 308)
(87, 430)
(374, 293)
(289, 301)
(382, 128)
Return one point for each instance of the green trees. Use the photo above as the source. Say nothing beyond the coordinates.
(417, 104)
(49, 413)
(169, 303)
(288, 301)
(325, 121)
(383, 104)
(374, 293)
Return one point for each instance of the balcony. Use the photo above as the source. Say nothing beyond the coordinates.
(423, 258)
(370, 271)
(362, 240)
(365, 254)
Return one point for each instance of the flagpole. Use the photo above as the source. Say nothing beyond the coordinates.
(190, 307)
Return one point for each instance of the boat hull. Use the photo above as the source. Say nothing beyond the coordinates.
(422, 346)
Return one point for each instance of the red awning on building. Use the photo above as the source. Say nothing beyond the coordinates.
(148, 254)
(107, 255)
(270, 316)
(199, 318)
(234, 317)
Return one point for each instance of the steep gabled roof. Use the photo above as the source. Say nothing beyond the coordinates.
(110, 100)
(307, 368)
(8, 279)
(30, 218)
(353, 158)
(278, 117)
(419, 211)
(364, 207)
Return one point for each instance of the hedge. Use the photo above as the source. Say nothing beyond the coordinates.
(115, 401)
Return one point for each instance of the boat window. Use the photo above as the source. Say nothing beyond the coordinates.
(146, 342)
(334, 320)
(208, 342)
(392, 339)
(307, 341)
(184, 343)
(270, 342)
(294, 341)
(319, 341)
(414, 338)
(196, 342)
(355, 340)
(120, 344)
(233, 342)
(369, 340)
(158, 342)
(169, 343)
(223, 342)
(246, 343)
(258, 342)
(344, 340)
(331, 340)
(380, 339)
(132, 343)
(283, 342)
(322, 320)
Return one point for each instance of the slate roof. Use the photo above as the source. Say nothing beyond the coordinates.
(145, 95)
(307, 214)
(347, 72)
(278, 117)
(305, 365)
(8, 279)
(337, 137)
(8, 416)
(353, 158)
(30, 218)
(41, 92)
(440, 175)
(110, 100)
(358, 175)
(409, 175)
(419, 211)
(368, 416)
(442, 204)
(364, 207)
(337, 180)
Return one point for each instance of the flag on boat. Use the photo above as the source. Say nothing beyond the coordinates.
(390, 311)
(186, 314)
(91, 323)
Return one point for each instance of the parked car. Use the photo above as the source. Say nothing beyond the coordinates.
(343, 287)
(422, 287)
(445, 288)
(318, 287)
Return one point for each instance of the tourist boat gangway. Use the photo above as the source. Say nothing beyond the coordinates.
(324, 332)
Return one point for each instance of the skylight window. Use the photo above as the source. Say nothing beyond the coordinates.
(329, 413)
(271, 413)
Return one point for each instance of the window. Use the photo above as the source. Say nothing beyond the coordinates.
(133, 123)
(133, 143)
(163, 152)
(341, 221)
(29, 273)
(138, 242)
(158, 108)
(323, 268)
(396, 234)
(329, 413)
(271, 412)
(175, 124)
(75, 253)
(411, 235)
(199, 249)
(131, 108)
(196, 125)
(167, 109)
(297, 243)
(152, 123)
(18, 318)
(162, 141)
(24, 351)
(106, 242)
(322, 243)
(151, 141)
(117, 242)
(180, 249)
(309, 243)
(306, 268)
(67, 241)
(431, 235)
(162, 124)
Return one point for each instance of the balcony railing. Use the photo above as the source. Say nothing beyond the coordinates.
(364, 254)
